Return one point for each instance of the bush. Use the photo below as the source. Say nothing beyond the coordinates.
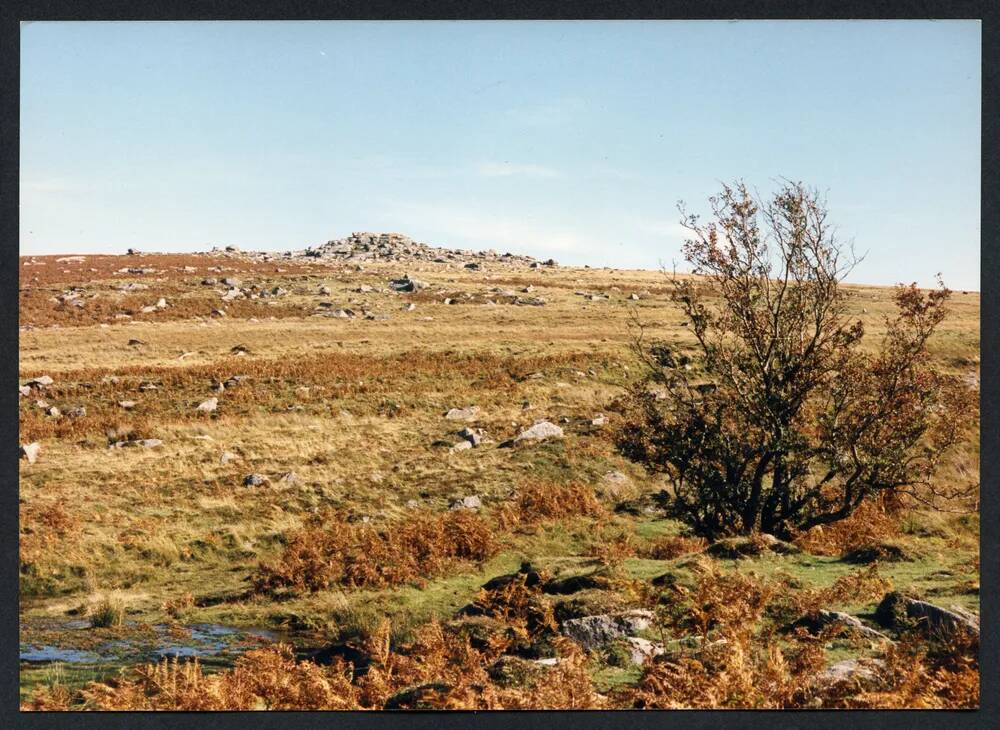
(782, 422)
(108, 613)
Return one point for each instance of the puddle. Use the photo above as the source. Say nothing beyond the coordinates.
(149, 644)
(57, 654)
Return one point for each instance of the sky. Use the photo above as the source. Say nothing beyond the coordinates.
(571, 140)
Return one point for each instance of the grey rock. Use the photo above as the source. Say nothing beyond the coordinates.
(77, 412)
(30, 451)
(408, 284)
(616, 478)
(539, 432)
(463, 414)
(859, 673)
(42, 381)
(207, 406)
(642, 650)
(593, 632)
(128, 405)
(461, 446)
(895, 608)
(469, 502)
(474, 436)
(254, 480)
(823, 618)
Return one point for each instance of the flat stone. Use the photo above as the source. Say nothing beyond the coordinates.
(539, 432)
(462, 414)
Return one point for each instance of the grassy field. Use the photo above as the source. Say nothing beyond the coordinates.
(346, 420)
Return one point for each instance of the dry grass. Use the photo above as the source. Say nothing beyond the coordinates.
(355, 409)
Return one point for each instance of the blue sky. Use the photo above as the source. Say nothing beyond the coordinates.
(566, 139)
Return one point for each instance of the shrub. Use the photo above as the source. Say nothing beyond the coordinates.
(782, 421)
(108, 612)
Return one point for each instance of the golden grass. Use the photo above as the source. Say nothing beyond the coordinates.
(173, 530)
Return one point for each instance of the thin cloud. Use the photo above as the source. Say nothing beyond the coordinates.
(510, 169)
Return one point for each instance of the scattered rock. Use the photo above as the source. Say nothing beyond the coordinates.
(42, 381)
(469, 502)
(593, 632)
(598, 420)
(463, 414)
(30, 451)
(539, 432)
(818, 620)
(227, 457)
(128, 405)
(255, 480)
(231, 281)
(474, 436)
(209, 405)
(77, 412)
(406, 284)
(54, 412)
(461, 446)
(641, 650)
(616, 479)
(856, 673)
(898, 611)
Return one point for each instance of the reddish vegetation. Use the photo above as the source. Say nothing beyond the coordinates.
(733, 664)
(330, 551)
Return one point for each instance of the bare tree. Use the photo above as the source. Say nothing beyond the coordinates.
(782, 420)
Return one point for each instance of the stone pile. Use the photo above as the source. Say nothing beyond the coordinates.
(366, 246)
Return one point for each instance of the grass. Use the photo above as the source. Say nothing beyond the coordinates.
(355, 409)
